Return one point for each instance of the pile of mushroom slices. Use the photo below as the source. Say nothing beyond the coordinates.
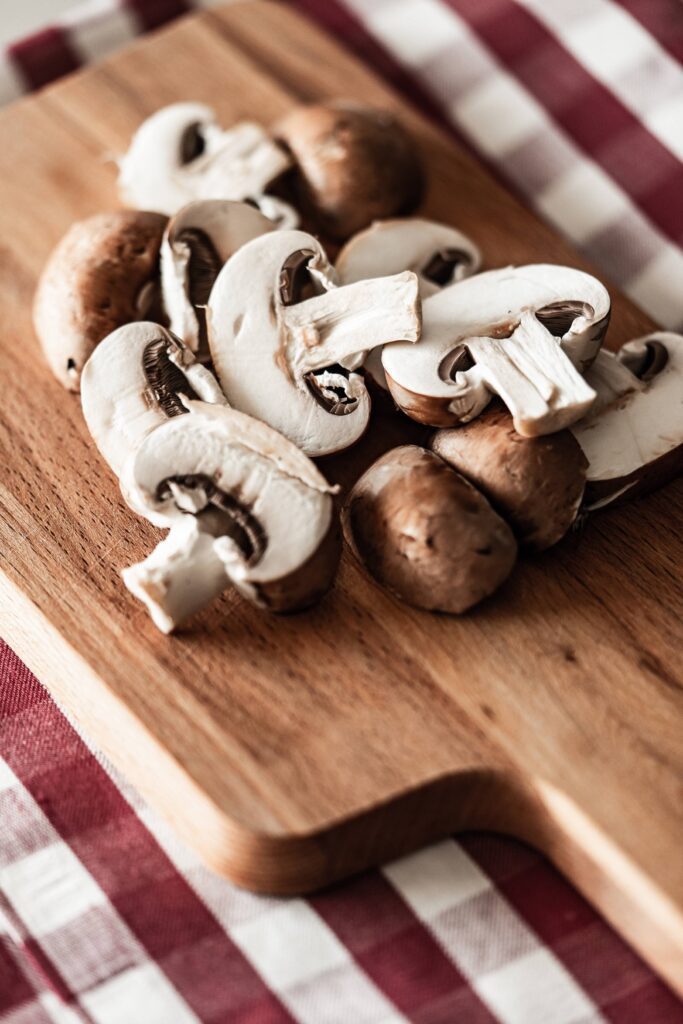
(218, 351)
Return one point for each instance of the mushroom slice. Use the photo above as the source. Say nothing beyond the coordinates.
(282, 214)
(198, 241)
(535, 483)
(180, 154)
(135, 379)
(426, 533)
(524, 333)
(634, 439)
(285, 340)
(439, 254)
(261, 514)
(354, 164)
(103, 273)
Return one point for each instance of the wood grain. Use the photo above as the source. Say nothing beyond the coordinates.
(294, 751)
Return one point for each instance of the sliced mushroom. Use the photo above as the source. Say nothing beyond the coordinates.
(198, 241)
(181, 576)
(103, 273)
(536, 484)
(611, 379)
(644, 357)
(524, 333)
(281, 213)
(439, 255)
(354, 164)
(285, 340)
(136, 379)
(263, 515)
(425, 533)
(180, 154)
(634, 439)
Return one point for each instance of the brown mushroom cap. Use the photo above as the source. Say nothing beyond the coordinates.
(308, 584)
(355, 164)
(536, 483)
(92, 284)
(426, 533)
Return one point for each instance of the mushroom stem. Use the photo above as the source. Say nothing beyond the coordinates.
(346, 322)
(181, 575)
(531, 373)
(239, 162)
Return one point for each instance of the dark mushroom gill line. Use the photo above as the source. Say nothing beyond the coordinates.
(235, 519)
(334, 398)
(648, 363)
(165, 379)
(204, 264)
(556, 317)
(295, 285)
(441, 267)
(192, 143)
(296, 282)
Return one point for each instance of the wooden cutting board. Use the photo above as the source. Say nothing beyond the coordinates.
(293, 751)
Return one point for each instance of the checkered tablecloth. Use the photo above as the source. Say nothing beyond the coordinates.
(104, 915)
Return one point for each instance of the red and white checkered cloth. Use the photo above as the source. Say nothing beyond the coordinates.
(104, 915)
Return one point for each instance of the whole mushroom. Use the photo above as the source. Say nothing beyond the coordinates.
(260, 515)
(425, 533)
(524, 333)
(536, 484)
(285, 340)
(180, 154)
(354, 164)
(104, 273)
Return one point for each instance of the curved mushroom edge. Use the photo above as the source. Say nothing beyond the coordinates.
(197, 243)
(425, 533)
(633, 438)
(307, 585)
(181, 154)
(523, 333)
(439, 254)
(104, 273)
(262, 513)
(535, 484)
(139, 376)
(286, 340)
(353, 164)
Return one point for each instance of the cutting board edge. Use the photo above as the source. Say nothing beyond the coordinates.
(289, 863)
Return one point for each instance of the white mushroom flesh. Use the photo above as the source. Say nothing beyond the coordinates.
(216, 466)
(180, 154)
(181, 575)
(198, 242)
(134, 381)
(439, 254)
(282, 214)
(634, 423)
(288, 359)
(517, 332)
